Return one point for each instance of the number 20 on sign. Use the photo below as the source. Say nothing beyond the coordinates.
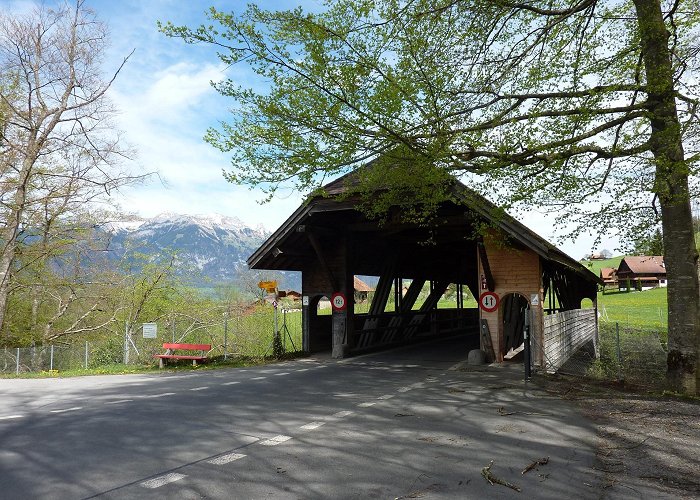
(488, 301)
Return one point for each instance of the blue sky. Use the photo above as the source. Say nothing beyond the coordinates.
(166, 104)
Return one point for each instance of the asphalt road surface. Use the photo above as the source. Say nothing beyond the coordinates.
(396, 424)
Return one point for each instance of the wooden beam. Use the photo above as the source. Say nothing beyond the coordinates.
(322, 259)
(412, 295)
(490, 284)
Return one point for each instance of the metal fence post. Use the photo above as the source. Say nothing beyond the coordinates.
(226, 337)
(126, 343)
(51, 362)
(619, 353)
(86, 354)
(17, 363)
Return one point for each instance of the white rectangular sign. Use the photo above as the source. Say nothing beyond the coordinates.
(535, 299)
(150, 330)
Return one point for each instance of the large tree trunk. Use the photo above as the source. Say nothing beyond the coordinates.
(671, 187)
(8, 235)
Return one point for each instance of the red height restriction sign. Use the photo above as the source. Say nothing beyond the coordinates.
(338, 302)
(488, 301)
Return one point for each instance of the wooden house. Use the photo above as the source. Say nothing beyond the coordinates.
(641, 272)
(361, 289)
(608, 275)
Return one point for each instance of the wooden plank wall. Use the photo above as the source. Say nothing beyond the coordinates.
(565, 333)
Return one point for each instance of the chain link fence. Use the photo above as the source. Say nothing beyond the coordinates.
(623, 353)
(242, 333)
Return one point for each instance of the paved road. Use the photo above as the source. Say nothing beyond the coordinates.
(396, 424)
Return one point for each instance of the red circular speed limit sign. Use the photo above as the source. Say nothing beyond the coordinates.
(338, 302)
(488, 301)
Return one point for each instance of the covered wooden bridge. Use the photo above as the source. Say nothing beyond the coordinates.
(508, 268)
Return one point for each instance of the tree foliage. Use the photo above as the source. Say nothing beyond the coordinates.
(589, 106)
(543, 102)
(60, 157)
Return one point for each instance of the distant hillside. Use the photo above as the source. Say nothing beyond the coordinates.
(596, 265)
(214, 246)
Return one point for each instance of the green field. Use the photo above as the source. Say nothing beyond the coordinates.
(596, 265)
(644, 310)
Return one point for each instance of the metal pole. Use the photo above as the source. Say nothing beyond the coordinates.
(619, 354)
(86, 354)
(284, 328)
(51, 362)
(126, 343)
(526, 339)
(277, 332)
(226, 337)
(17, 364)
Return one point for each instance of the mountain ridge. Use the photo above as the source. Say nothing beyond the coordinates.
(215, 246)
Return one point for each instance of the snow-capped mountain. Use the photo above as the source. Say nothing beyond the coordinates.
(213, 245)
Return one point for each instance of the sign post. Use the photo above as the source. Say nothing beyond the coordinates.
(340, 305)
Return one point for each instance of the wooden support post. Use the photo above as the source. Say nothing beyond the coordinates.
(490, 284)
(322, 259)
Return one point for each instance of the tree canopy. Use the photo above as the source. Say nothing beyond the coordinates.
(540, 102)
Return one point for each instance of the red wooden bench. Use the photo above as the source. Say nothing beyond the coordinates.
(170, 348)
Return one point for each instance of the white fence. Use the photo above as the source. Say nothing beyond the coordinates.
(565, 333)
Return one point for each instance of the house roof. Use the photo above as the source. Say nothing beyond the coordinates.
(607, 273)
(285, 248)
(642, 264)
(361, 286)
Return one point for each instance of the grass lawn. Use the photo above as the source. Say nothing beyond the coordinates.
(645, 310)
(596, 265)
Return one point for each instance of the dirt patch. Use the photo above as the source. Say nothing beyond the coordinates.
(648, 446)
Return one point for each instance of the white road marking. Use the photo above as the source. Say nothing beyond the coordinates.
(200, 388)
(312, 426)
(417, 385)
(258, 378)
(280, 374)
(224, 459)
(386, 396)
(275, 440)
(267, 371)
(118, 401)
(342, 414)
(231, 383)
(159, 395)
(405, 389)
(303, 370)
(157, 482)
(366, 405)
(75, 408)
(10, 417)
